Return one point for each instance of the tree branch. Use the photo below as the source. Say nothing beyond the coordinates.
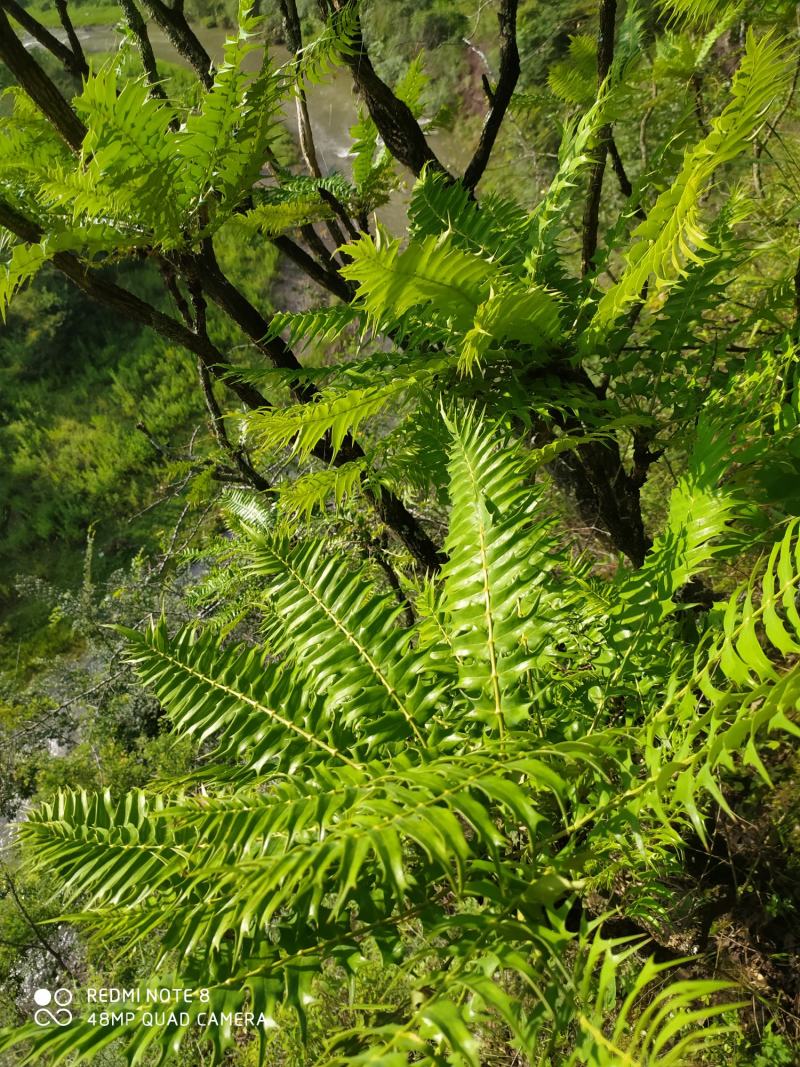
(338, 209)
(626, 188)
(401, 132)
(34, 926)
(591, 214)
(204, 267)
(183, 38)
(39, 87)
(72, 37)
(132, 307)
(238, 455)
(138, 28)
(74, 63)
(294, 39)
(376, 549)
(696, 82)
(328, 279)
(762, 143)
(197, 323)
(389, 507)
(500, 97)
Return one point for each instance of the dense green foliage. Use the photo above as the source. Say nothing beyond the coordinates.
(483, 647)
(449, 799)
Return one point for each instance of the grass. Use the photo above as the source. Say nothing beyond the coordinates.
(82, 15)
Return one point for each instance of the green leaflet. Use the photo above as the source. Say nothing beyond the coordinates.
(24, 264)
(128, 152)
(373, 177)
(372, 688)
(299, 498)
(738, 690)
(334, 416)
(432, 272)
(549, 218)
(321, 325)
(220, 149)
(673, 231)
(28, 143)
(331, 48)
(272, 219)
(574, 79)
(138, 177)
(365, 140)
(530, 316)
(245, 710)
(26, 260)
(700, 508)
(411, 85)
(498, 229)
(699, 12)
(494, 550)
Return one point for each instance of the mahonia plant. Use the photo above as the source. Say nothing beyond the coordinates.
(438, 793)
(437, 780)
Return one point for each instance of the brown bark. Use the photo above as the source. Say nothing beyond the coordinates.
(183, 38)
(500, 96)
(39, 87)
(606, 495)
(73, 60)
(591, 214)
(401, 132)
(218, 428)
(72, 37)
(138, 28)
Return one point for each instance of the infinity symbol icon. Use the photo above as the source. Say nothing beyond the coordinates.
(43, 1016)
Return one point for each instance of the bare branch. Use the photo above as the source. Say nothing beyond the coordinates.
(762, 143)
(591, 214)
(294, 39)
(401, 132)
(71, 61)
(154, 443)
(376, 549)
(699, 108)
(34, 926)
(72, 37)
(132, 307)
(138, 28)
(238, 455)
(328, 279)
(626, 188)
(39, 86)
(183, 38)
(339, 210)
(500, 97)
(205, 270)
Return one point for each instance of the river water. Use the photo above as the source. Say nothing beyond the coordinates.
(332, 106)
